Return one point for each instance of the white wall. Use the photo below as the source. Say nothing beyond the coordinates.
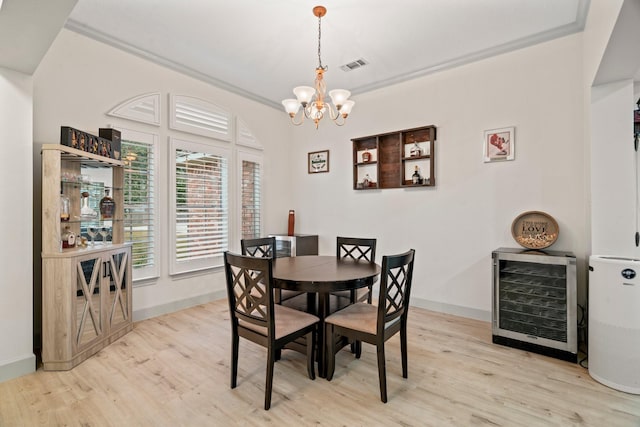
(80, 80)
(611, 62)
(455, 226)
(16, 342)
(613, 188)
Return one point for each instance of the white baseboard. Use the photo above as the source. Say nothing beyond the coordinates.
(440, 307)
(18, 368)
(158, 310)
(456, 310)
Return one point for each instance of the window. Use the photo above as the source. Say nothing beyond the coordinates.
(200, 219)
(140, 210)
(250, 171)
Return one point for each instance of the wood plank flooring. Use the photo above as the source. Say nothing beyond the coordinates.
(173, 370)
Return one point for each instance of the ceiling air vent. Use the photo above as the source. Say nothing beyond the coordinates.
(353, 65)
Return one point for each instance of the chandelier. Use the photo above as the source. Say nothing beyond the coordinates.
(312, 99)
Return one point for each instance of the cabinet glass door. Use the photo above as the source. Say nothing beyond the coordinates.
(118, 300)
(533, 299)
(88, 307)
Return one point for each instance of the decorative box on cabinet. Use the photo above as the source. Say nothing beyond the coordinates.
(386, 160)
(86, 290)
(535, 302)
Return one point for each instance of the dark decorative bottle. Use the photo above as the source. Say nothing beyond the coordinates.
(107, 206)
(416, 178)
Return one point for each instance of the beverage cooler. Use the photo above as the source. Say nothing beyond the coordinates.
(535, 302)
(297, 245)
(614, 322)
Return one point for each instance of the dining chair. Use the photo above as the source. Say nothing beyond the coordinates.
(265, 247)
(360, 249)
(376, 324)
(255, 317)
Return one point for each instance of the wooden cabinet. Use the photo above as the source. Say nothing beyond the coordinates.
(390, 160)
(86, 289)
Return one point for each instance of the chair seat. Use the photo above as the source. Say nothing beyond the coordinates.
(288, 321)
(359, 316)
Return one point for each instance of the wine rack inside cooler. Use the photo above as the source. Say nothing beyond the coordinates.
(534, 301)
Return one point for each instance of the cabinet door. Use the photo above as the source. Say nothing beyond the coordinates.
(119, 281)
(88, 302)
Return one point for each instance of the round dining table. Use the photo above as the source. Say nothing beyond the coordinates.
(321, 275)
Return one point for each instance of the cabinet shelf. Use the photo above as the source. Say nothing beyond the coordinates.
(408, 159)
(391, 164)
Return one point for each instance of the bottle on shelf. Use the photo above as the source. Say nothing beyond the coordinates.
(416, 178)
(68, 238)
(86, 212)
(107, 206)
(65, 207)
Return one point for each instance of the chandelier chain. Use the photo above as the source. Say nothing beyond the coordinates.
(319, 38)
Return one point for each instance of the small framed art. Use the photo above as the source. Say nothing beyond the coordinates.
(499, 144)
(318, 161)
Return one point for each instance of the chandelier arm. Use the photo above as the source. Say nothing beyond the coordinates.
(298, 123)
(334, 114)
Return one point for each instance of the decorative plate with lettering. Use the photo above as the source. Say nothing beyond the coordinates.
(535, 230)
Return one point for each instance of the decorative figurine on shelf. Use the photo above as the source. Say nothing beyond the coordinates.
(366, 181)
(366, 156)
(416, 151)
(416, 178)
(86, 211)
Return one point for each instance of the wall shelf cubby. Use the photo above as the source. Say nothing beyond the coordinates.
(390, 160)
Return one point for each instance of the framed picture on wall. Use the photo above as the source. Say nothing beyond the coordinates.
(499, 144)
(318, 161)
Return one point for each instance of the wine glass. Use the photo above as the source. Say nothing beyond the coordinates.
(103, 232)
(92, 232)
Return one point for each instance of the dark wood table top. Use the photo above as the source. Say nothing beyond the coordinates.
(318, 273)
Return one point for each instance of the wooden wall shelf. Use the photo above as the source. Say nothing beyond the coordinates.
(391, 163)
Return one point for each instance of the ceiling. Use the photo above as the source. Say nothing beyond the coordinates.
(262, 49)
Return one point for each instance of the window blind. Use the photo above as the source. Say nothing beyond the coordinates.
(139, 201)
(201, 211)
(251, 202)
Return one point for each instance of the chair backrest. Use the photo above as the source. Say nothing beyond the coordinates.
(356, 248)
(262, 247)
(249, 290)
(395, 287)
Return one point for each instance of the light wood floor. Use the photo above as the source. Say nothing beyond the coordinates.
(173, 370)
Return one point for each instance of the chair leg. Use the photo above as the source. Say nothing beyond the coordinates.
(235, 342)
(330, 360)
(358, 351)
(382, 373)
(354, 344)
(311, 350)
(269, 385)
(403, 350)
(370, 296)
